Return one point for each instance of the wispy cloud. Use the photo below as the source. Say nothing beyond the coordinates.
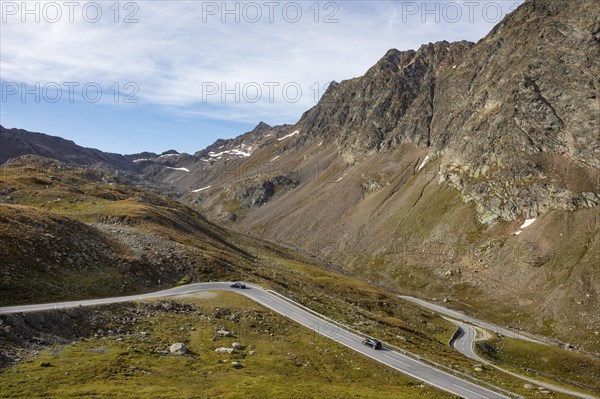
(177, 50)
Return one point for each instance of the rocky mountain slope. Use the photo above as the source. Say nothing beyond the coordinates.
(518, 122)
(69, 232)
(509, 138)
(461, 171)
(420, 173)
(392, 103)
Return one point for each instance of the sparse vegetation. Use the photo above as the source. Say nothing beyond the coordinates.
(542, 361)
(278, 358)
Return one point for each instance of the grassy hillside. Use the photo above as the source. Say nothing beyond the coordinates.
(541, 361)
(76, 232)
(278, 359)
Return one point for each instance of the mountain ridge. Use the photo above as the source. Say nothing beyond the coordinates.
(17, 142)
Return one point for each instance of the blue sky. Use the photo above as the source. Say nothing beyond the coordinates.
(180, 74)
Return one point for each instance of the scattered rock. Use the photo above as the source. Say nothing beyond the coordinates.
(478, 367)
(178, 349)
(236, 365)
(224, 333)
(236, 345)
(529, 387)
(225, 350)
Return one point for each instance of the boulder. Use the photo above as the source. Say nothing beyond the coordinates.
(178, 348)
(225, 350)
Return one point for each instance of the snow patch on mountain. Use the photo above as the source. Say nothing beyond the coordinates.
(200, 189)
(235, 151)
(526, 224)
(182, 169)
(295, 132)
(423, 163)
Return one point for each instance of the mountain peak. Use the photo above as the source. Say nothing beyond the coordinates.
(262, 126)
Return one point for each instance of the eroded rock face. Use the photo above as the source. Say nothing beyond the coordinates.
(520, 114)
(515, 118)
(391, 103)
(257, 191)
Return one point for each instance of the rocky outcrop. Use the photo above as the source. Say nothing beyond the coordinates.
(520, 114)
(513, 119)
(261, 135)
(391, 103)
(257, 191)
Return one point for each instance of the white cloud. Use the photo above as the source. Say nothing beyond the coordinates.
(172, 54)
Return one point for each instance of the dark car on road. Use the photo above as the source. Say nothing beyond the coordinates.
(238, 285)
(373, 343)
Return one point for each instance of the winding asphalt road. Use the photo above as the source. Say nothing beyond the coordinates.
(465, 339)
(407, 365)
(461, 316)
(466, 336)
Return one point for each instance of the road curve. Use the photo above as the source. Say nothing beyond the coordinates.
(407, 365)
(464, 342)
(476, 322)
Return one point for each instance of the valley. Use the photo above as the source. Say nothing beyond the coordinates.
(445, 202)
(130, 233)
